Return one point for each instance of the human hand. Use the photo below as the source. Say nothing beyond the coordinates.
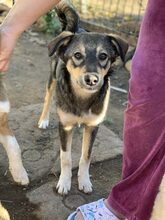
(7, 43)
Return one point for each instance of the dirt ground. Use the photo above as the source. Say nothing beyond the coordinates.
(14, 197)
(26, 79)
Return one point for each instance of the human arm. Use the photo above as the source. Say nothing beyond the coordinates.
(19, 18)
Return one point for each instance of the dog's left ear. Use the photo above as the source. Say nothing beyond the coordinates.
(120, 44)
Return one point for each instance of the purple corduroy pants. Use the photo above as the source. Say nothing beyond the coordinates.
(144, 127)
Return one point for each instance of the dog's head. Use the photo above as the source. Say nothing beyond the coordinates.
(88, 56)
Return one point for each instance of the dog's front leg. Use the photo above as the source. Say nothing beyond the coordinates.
(13, 150)
(44, 118)
(84, 182)
(64, 183)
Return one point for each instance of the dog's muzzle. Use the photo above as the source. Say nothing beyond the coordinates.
(91, 81)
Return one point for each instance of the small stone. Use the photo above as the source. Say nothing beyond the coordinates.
(74, 201)
(38, 41)
(31, 155)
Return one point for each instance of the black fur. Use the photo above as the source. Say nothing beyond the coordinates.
(64, 136)
(93, 132)
(68, 17)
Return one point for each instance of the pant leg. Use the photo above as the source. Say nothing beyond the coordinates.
(144, 127)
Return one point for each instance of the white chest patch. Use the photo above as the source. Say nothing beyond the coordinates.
(5, 106)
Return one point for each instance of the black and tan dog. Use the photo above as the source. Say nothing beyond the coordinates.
(81, 63)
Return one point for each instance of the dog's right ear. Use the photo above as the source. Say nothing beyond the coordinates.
(59, 44)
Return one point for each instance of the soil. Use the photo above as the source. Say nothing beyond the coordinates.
(21, 209)
(26, 80)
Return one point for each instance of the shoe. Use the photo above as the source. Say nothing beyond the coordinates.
(94, 211)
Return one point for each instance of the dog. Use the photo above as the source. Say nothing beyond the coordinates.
(8, 140)
(80, 76)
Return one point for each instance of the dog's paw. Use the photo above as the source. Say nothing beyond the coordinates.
(43, 124)
(64, 185)
(19, 175)
(84, 184)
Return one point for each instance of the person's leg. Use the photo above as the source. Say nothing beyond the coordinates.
(144, 130)
(144, 167)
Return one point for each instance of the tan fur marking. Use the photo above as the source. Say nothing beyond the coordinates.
(4, 215)
(4, 128)
(81, 92)
(75, 72)
(47, 101)
(85, 144)
(68, 128)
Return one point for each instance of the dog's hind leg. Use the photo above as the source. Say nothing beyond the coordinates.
(84, 182)
(9, 142)
(44, 118)
(64, 183)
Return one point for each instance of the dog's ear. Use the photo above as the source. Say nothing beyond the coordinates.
(120, 44)
(58, 45)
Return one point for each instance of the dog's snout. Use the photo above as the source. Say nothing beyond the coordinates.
(91, 79)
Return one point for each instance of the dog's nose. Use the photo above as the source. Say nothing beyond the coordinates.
(91, 79)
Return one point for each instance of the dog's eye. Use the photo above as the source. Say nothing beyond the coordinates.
(103, 56)
(78, 55)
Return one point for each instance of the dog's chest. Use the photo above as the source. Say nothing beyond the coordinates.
(91, 119)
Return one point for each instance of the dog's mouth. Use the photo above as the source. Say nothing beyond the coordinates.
(90, 89)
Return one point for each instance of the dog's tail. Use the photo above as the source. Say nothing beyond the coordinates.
(68, 17)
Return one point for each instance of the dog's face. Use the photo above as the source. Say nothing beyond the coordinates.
(88, 57)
